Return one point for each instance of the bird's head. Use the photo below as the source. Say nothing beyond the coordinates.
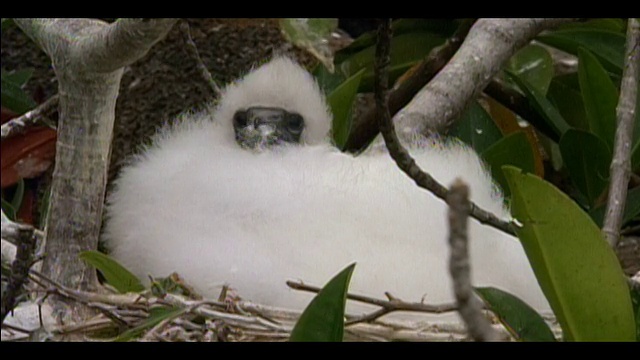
(277, 103)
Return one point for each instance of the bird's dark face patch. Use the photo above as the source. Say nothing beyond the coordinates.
(259, 128)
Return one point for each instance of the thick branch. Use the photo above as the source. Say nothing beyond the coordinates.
(490, 43)
(625, 114)
(365, 128)
(399, 154)
(469, 307)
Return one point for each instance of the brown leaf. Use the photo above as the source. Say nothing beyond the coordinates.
(27, 155)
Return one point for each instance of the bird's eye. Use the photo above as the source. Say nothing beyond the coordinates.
(295, 122)
(240, 119)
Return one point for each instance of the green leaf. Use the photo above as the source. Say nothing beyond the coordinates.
(522, 321)
(554, 124)
(406, 50)
(564, 94)
(476, 128)
(513, 149)
(18, 77)
(115, 274)
(341, 103)
(6, 23)
(615, 25)
(16, 202)
(635, 152)
(533, 64)
(14, 98)
(600, 96)
(607, 45)
(156, 315)
(9, 210)
(635, 300)
(311, 35)
(323, 319)
(577, 270)
(631, 209)
(587, 159)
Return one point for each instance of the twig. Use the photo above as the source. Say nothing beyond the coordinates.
(399, 154)
(387, 306)
(469, 307)
(365, 129)
(19, 269)
(625, 115)
(192, 50)
(31, 118)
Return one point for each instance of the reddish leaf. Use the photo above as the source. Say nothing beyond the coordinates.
(28, 155)
(7, 115)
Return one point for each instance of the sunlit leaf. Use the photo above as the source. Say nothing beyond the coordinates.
(341, 102)
(577, 270)
(554, 122)
(476, 128)
(323, 319)
(533, 64)
(607, 45)
(115, 274)
(587, 159)
(513, 149)
(311, 35)
(522, 321)
(600, 96)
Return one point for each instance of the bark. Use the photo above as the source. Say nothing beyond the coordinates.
(88, 57)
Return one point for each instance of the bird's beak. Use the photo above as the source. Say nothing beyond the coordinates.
(259, 128)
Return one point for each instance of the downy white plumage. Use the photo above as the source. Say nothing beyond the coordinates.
(197, 203)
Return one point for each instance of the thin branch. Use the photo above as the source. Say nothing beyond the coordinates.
(469, 307)
(399, 154)
(19, 269)
(365, 129)
(387, 306)
(192, 50)
(489, 44)
(31, 118)
(625, 115)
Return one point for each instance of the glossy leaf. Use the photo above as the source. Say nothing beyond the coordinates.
(14, 98)
(323, 319)
(607, 45)
(564, 94)
(406, 50)
(341, 102)
(600, 96)
(587, 159)
(115, 274)
(513, 149)
(522, 321)
(312, 35)
(553, 120)
(156, 315)
(577, 270)
(476, 128)
(534, 65)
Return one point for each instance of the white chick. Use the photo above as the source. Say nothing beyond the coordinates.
(198, 203)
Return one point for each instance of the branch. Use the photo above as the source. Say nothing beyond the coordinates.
(365, 128)
(192, 50)
(19, 269)
(399, 154)
(490, 43)
(33, 117)
(625, 114)
(387, 306)
(469, 307)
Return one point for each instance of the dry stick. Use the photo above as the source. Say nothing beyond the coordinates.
(469, 307)
(31, 118)
(399, 154)
(625, 114)
(365, 129)
(19, 269)
(387, 306)
(192, 50)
